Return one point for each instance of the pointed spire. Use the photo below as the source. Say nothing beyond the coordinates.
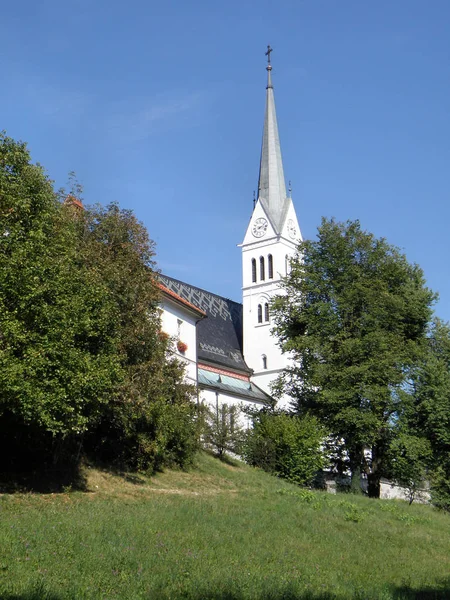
(271, 186)
(269, 68)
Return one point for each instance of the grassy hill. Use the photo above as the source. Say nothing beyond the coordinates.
(220, 532)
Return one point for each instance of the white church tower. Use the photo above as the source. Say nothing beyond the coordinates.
(271, 239)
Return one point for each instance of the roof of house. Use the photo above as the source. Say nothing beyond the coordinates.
(219, 337)
(71, 200)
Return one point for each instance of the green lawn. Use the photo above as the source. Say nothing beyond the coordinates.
(220, 532)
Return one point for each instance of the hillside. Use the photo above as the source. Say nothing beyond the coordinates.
(219, 532)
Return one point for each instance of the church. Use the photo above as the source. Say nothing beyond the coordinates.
(230, 353)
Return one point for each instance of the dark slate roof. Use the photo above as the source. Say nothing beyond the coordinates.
(219, 336)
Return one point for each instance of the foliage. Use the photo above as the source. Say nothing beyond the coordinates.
(150, 432)
(353, 316)
(150, 420)
(428, 413)
(285, 445)
(57, 345)
(410, 458)
(222, 429)
(82, 361)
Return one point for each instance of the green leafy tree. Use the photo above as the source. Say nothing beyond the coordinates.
(410, 458)
(57, 344)
(353, 316)
(81, 355)
(150, 420)
(427, 416)
(285, 445)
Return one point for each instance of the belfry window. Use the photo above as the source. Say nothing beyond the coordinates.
(266, 312)
(260, 313)
(264, 361)
(270, 266)
(262, 269)
(253, 270)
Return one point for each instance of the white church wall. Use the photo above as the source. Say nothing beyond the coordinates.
(180, 325)
(261, 350)
(215, 399)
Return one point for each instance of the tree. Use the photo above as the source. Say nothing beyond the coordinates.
(353, 315)
(57, 348)
(81, 355)
(427, 413)
(150, 420)
(222, 430)
(409, 459)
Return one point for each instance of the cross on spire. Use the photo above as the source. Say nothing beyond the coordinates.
(269, 50)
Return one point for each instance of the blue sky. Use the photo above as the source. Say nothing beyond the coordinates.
(159, 105)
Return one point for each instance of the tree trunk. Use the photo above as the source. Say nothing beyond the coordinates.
(374, 477)
(374, 485)
(355, 459)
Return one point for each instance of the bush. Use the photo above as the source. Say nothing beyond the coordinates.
(440, 485)
(156, 430)
(287, 446)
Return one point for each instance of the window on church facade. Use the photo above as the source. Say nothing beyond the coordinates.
(270, 266)
(264, 361)
(262, 269)
(253, 270)
(286, 264)
(266, 311)
(260, 313)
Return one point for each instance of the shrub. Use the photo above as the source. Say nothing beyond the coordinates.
(440, 485)
(155, 430)
(287, 446)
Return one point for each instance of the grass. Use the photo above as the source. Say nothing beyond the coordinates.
(221, 532)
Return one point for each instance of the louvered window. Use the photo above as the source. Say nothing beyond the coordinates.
(253, 270)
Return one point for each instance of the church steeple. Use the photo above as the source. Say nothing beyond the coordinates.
(272, 186)
(270, 241)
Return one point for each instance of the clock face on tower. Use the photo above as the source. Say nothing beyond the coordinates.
(292, 230)
(259, 227)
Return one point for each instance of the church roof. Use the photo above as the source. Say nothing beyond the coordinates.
(233, 386)
(271, 185)
(170, 294)
(219, 336)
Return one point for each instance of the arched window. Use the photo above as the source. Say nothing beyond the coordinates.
(266, 311)
(286, 264)
(262, 273)
(253, 270)
(264, 361)
(270, 266)
(260, 313)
